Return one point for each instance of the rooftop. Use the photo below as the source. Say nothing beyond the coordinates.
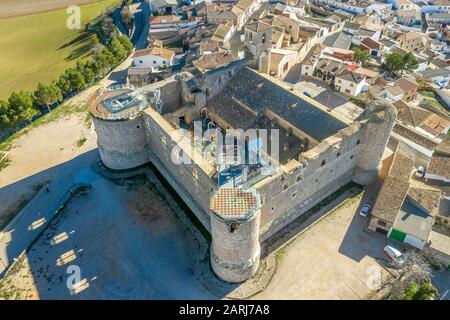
(119, 104)
(394, 189)
(413, 220)
(338, 40)
(414, 136)
(440, 161)
(234, 204)
(252, 93)
(154, 51)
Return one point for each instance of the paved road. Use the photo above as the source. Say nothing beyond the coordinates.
(441, 280)
(30, 222)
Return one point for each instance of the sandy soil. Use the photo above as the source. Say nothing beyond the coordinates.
(127, 243)
(45, 151)
(14, 8)
(35, 158)
(335, 259)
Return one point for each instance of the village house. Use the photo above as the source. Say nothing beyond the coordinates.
(409, 88)
(154, 58)
(349, 83)
(164, 6)
(387, 93)
(412, 41)
(439, 77)
(371, 46)
(281, 61)
(405, 211)
(409, 18)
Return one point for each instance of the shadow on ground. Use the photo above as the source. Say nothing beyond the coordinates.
(116, 240)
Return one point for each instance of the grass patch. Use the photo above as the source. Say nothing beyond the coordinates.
(430, 98)
(429, 94)
(81, 142)
(4, 162)
(39, 47)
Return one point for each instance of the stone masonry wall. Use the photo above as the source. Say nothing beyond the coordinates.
(291, 194)
(194, 186)
(120, 143)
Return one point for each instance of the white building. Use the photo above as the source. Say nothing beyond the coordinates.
(349, 83)
(154, 58)
(440, 77)
(437, 6)
(355, 7)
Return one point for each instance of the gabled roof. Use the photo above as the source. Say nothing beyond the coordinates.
(154, 51)
(432, 73)
(164, 3)
(258, 26)
(439, 164)
(338, 40)
(371, 44)
(410, 115)
(406, 84)
(165, 19)
(350, 76)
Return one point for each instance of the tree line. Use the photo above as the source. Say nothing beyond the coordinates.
(23, 106)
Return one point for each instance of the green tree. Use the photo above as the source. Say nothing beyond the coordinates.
(426, 292)
(104, 61)
(361, 56)
(409, 62)
(45, 96)
(117, 49)
(126, 43)
(393, 62)
(71, 81)
(87, 72)
(5, 120)
(21, 107)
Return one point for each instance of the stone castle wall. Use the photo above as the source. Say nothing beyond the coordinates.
(375, 136)
(291, 194)
(189, 180)
(120, 143)
(235, 253)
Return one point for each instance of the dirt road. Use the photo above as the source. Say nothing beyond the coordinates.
(14, 8)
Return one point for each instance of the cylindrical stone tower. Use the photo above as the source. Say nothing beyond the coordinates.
(377, 127)
(121, 134)
(235, 248)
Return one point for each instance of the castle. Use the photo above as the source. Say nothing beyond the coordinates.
(314, 151)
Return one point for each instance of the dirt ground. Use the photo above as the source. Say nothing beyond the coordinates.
(126, 242)
(334, 259)
(35, 158)
(14, 8)
(44, 151)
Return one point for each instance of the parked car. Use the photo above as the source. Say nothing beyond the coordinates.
(420, 172)
(394, 254)
(365, 210)
(307, 94)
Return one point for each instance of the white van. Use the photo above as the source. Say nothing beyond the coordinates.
(394, 254)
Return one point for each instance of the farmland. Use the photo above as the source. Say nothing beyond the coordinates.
(39, 47)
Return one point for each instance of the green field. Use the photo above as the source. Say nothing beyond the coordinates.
(39, 47)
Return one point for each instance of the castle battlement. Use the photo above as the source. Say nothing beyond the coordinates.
(309, 152)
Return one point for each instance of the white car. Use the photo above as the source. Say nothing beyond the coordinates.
(394, 254)
(364, 212)
(420, 172)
